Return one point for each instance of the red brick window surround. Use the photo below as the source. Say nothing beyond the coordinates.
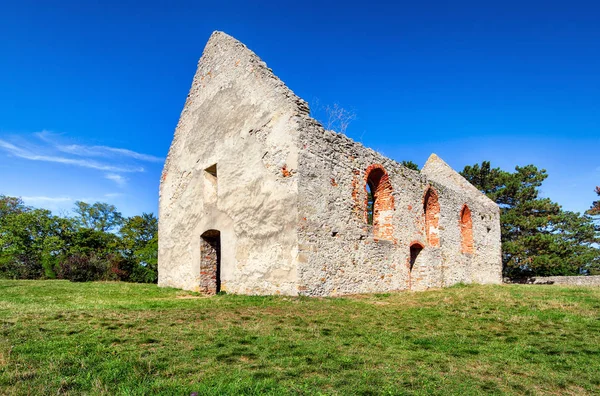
(379, 209)
(431, 208)
(466, 230)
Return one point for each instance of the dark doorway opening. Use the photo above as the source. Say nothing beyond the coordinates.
(210, 262)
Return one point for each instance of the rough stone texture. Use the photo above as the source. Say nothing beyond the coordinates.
(593, 280)
(339, 253)
(239, 116)
(289, 198)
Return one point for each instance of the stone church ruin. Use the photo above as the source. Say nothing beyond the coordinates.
(256, 197)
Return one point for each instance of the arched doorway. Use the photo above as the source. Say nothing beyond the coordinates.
(210, 262)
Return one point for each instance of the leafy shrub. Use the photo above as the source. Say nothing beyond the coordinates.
(143, 274)
(88, 268)
(19, 267)
(82, 268)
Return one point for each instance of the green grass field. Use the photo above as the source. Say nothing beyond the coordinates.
(58, 337)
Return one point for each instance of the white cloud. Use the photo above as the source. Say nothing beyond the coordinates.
(120, 180)
(64, 204)
(45, 200)
(95, 151)
(85, 163)
(61, 205)
(105, 151)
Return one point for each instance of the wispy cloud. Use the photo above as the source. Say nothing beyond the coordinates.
(61, 204)
(46, 200)
(120, 180)
(95, 151)
(105, 151)
(85, 163)
(65, 204)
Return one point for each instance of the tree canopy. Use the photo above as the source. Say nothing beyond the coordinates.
(99, 216)
(410, 165)
(98, 243)
(595, 209)
(539, 238)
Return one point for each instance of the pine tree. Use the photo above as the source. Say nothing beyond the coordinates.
(538, 237)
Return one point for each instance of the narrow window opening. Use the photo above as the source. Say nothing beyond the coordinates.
(212, 170)
(210, 184)
(370, 203)
(431, 208)
(466, 230)
(414, 254)
(379, 202)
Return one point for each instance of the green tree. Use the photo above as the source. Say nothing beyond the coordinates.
(11, 205)
(140, 246)
(31, 243)
(538, 237)
(410, 165)
(595, 209)
(100, 216)
(36, 244)
(92, 254)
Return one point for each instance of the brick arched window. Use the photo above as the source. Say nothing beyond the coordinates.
(431, 208)
(379, 204)
(466, 230)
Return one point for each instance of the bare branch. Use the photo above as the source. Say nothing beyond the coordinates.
(336, 118)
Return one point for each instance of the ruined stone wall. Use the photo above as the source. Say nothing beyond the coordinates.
(484, 265)
(239, 116)
(592, 280)
(287, 199)
(339, 253)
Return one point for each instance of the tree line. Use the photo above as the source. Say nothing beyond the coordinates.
(539, 238)
(96, 243)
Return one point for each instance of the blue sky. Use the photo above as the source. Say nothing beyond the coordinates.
(90, 92)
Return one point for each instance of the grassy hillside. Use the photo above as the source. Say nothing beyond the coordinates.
(118, 338)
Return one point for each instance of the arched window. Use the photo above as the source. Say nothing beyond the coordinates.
(379, 205)
(466, 230)
(431, 208)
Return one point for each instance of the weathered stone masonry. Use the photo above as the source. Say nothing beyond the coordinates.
(288, 199)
